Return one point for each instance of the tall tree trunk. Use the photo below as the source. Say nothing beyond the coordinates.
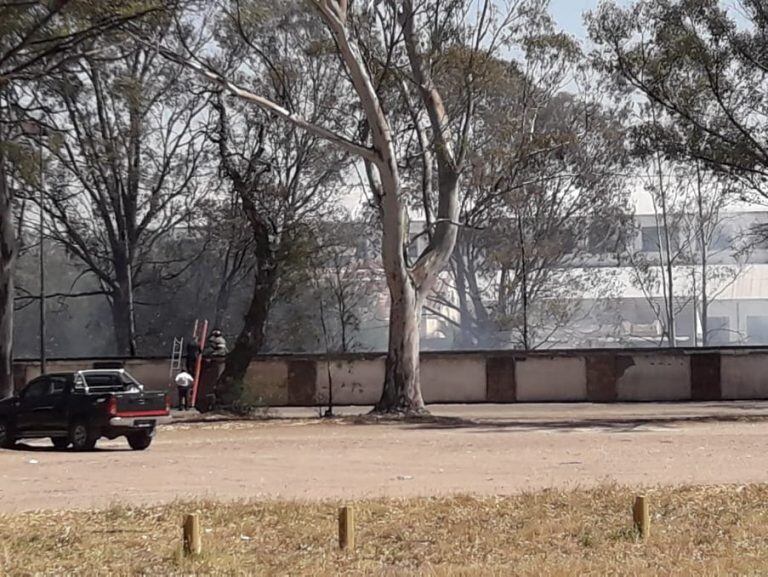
(121, 312)
(704, 301)
(402, 386)
(704, 259)
(484, 328)
(401, 392)
(523, 281)
(251, 338)
(222, 304)
(466, 334)
(7, 262)
(665, 249)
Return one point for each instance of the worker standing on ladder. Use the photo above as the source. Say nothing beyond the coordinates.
(217, 345)
(193, 351)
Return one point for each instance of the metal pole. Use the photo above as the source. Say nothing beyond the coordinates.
(42, 266)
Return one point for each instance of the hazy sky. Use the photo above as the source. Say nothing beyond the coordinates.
(568, 13)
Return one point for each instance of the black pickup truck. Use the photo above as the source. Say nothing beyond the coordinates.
(79, 408)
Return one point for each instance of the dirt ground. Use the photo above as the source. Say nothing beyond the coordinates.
(477, 449)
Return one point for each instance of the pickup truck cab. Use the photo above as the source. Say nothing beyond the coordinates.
(79, 408)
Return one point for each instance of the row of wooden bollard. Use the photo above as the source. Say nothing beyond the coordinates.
(193, 544)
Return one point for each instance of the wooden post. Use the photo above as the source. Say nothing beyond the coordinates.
(193, 544)
(347, 528)
(641, 516)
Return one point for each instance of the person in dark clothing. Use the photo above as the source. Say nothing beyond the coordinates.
(193, 351)
(217, 345)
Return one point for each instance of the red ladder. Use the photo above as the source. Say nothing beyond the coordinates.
(200, 336)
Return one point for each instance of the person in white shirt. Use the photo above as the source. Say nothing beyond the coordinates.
(184, 383)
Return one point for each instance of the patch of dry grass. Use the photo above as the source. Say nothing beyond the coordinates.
(703, 531)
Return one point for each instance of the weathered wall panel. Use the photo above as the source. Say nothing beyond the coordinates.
(453, 380)
(744, 376)
(556, 378)
(300, 388)
(355, 382)
(601, 377)
(500, 380)
(705, 377)
(655, 377)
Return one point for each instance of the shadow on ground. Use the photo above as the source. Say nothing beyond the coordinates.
(23, 447)
(617, 424)
(738, 413)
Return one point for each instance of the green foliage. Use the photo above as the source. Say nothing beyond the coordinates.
(703, 71)
(36, 36)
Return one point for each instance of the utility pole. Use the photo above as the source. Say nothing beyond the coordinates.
(35, 129)
(524, 284)
(42, 262)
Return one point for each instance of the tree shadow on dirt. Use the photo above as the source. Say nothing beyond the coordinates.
(612, 425)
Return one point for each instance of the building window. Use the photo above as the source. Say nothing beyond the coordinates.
(757, 330)
(655, 236)
(722, 239)
(651, 236)
(718, 331)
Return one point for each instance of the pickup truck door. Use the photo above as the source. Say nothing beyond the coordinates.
(56, 418)
(35, 405)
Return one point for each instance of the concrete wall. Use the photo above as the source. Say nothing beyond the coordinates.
(744, 375)
(482, 377)
(355, 382)
(267, 383)
(551, 379)
(655, 377)
(453, 380)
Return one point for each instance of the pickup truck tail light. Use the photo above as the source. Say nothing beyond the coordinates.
(112, 406)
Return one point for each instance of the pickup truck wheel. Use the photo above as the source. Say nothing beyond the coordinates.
(141, 440)
(81, 438)
(6, 440)
(60, 442)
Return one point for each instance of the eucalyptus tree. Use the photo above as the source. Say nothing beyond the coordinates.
(36, 39)
(394, 57)
(543, 201)
(696, 73)
(702, 67)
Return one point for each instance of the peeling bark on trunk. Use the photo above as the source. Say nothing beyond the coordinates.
(401, 393)
(402, 388)
(7, 261)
